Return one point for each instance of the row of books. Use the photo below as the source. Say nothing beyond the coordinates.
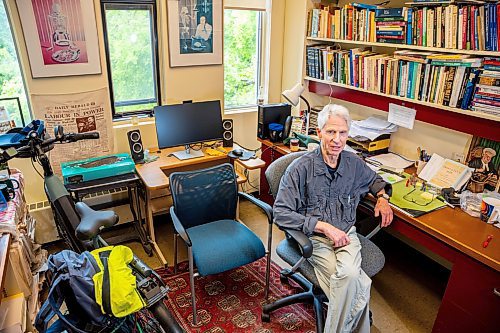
(487, 89)
(463, 26)
(445, 79)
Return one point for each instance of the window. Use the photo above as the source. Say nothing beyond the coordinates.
(243, 40)
(12, 91)
(130, 37)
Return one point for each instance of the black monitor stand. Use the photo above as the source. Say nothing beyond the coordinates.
(188, 153)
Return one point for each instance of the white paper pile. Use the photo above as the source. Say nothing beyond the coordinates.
(370, 128)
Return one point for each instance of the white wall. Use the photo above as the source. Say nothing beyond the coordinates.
(182, 83)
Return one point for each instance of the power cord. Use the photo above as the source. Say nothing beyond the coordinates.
(254, 150)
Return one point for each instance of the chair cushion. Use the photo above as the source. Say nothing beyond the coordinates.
(223, 245)
(373, 259)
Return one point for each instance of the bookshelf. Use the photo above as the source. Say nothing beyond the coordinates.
(407, 47)
(462, 122)
(347, 84)
(405, 99)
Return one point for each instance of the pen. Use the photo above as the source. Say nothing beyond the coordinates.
(487, 241)
(446, 202)
(389, 171)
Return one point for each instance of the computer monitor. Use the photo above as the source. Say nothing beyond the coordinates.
(188, 123)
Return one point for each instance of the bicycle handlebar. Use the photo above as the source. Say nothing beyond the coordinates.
(33, 141)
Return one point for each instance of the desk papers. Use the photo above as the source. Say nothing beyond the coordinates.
(370, 128)
(390, 160)
(442, 173)
(401, 115)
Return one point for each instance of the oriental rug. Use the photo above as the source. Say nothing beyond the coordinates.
(232, 301)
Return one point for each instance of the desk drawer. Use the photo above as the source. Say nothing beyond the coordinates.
(469, 300)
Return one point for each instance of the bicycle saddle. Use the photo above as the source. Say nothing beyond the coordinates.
(92, 221)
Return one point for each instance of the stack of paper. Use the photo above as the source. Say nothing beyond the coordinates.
(371, 128)
(389, 161)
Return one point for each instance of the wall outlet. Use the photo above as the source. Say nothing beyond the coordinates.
(459, 157)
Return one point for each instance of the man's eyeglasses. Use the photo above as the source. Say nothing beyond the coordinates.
(418, 202)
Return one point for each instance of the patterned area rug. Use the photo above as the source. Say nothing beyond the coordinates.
(232, 301)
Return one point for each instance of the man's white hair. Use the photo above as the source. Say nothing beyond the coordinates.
(490, 151)
(333, 110)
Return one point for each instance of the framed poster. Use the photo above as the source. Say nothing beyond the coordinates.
(61, 37)
(195, 32)
(484, 158)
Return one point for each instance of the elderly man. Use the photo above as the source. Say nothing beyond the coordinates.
(318, 194)
(484, 163)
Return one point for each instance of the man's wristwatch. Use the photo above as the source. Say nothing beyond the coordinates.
(383, 195)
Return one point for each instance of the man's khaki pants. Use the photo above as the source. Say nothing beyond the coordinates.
(344, 282)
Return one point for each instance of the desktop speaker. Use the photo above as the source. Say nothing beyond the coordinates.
(135, 143)
(271, 113)
(227, 132)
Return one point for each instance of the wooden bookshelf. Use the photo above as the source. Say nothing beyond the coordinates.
(410, 100)
(484, 125)
(409, 47)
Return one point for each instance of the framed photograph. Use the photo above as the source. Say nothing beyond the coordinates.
(484, 158)
(195, 32)
(61, 37)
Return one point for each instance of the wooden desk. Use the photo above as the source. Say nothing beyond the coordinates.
(471, 302)
(154, 175)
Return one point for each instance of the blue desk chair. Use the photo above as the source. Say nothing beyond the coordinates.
(204, 215)
(296, 248)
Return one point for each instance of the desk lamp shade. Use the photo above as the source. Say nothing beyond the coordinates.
(293, 95)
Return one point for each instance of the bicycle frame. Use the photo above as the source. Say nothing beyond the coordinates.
(149, 283)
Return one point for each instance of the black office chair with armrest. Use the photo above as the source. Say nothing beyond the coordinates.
(204, 215)
(296, 248)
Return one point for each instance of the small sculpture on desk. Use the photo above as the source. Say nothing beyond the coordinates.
(412, 180)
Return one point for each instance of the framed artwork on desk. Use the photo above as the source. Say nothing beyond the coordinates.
(194, 32)
(484, 157)
(61, 37)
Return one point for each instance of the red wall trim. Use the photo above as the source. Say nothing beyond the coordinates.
(484, 128)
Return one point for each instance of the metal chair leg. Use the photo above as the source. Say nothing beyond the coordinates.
(191, 281)
(176, 235)
(268, 264)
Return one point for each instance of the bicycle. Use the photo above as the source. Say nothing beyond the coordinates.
(78, 224)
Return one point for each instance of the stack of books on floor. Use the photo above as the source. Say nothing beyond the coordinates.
(461, 24)
(487, 93)
(444, 79)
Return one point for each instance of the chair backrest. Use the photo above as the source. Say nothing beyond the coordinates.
(205, 195)
(277, 169)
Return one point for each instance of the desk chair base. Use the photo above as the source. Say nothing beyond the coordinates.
(311, 295)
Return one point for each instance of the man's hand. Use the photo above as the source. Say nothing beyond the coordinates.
(383, 208)
(338, 237)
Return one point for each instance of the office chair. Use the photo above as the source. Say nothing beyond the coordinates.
(204, 215)
(296, 248)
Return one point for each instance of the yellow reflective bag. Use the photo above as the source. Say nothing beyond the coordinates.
(115, 285)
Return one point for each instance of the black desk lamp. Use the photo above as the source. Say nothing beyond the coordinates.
(293, 95)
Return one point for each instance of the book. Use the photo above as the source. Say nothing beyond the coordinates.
(441, 172)
(389, 12)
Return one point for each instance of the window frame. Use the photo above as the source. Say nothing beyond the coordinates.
(139, 4)
(262, 60)
(27, 100)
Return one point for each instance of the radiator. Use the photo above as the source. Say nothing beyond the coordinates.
(46, 230)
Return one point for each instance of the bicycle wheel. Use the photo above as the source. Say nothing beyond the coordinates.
(165, 318)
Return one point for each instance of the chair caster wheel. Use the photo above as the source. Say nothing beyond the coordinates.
(266, 317)
(148, 249)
